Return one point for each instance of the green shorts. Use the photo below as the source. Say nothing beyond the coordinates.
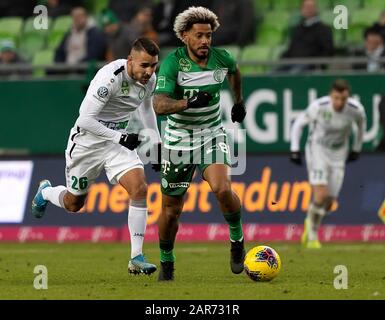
(178, 166)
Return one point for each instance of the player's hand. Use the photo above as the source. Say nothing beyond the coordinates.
(238, 112)
(157, 165)
(199, 100)
(353, 156)
(130, 141)
(296, 157)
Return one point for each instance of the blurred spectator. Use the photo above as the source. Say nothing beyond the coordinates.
(142, 23)
(310, 38)
(126, 9)
(164, 14)
(238, 21)
(9, 55)
(120, 36)
(380, 25)
(373, 51)
(84, 42)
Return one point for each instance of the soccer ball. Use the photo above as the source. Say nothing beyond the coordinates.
(262, 263)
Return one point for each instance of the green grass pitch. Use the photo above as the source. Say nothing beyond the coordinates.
(99, 271)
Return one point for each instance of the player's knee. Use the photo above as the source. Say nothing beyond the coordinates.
(74, 206)
(222, 191)
(139, 191)
(172, 212)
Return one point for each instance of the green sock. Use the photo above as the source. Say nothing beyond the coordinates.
(235, 225)
(166, 250)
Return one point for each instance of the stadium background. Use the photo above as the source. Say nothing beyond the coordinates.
(38, 109)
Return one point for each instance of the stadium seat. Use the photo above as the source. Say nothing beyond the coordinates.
(328, 17)
(269, 36)
(31, 43)
(62, 24)
(324, 5)
(96, 7)
(378, 5)
(364, 17)
(234, 50)
(286, 5)
(54, 40)
(339, 37)
(276, 52)
(264, 5)
(43, 57)
(10, 27)
(254, 53)
(355, 35)
(277, 19)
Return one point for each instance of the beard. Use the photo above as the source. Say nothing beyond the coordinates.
(201, 56)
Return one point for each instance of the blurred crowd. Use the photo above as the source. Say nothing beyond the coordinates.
(104, 30)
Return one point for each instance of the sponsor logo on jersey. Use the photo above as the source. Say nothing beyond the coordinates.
(161, 84)
(102, 92)
(185, 65)
(174, 185)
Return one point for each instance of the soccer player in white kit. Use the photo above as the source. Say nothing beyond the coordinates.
(330, 121)
(99, 140)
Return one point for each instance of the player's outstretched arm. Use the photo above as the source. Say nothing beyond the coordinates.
(163, 104)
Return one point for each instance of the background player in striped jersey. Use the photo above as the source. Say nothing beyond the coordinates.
(188, 91)
(330, 121)
(100, 140)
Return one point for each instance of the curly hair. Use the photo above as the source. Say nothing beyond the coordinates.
(185, 20)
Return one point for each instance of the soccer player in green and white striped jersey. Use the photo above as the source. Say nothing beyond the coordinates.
(188, 92)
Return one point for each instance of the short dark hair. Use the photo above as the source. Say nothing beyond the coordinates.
(374, 30)
(145, 44)
(341, 85)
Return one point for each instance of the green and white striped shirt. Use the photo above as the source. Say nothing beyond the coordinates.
(180, 77)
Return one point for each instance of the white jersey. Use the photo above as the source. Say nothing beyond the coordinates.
(112, 103)
(330, 130)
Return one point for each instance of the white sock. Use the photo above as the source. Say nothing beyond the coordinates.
(315, 215)
(55, 195)
(137, 221)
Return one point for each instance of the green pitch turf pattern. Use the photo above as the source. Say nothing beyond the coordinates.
(99, 271)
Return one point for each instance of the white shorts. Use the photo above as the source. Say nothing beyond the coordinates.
(84, 164)
(323, 171)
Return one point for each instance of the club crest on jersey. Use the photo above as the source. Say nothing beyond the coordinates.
(185, 65)
(102, 92)
(142, 92)
(125, 88)
(164, 183)
(327, 116)
(218, 75)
